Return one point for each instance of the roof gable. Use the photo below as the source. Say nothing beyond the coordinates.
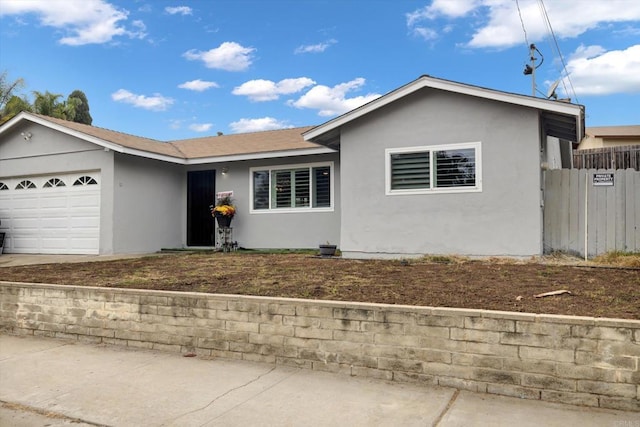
(561, 119)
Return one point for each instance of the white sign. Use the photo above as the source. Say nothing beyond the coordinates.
(603, 179)
(223, 194)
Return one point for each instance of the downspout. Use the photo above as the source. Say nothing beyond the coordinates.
(542, 165)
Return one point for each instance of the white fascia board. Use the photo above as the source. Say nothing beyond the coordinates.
(260, 156)
(449, 86)
(14, 120)
(63, 129)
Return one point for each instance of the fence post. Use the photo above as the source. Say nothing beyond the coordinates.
(586, 215)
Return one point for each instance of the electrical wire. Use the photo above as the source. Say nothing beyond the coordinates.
(524, 30)
(545, 17)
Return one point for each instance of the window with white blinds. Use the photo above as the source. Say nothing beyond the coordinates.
(441, 168)
(301, 187)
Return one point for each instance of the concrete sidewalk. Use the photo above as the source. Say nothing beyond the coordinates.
(15, 260)
(61, 383)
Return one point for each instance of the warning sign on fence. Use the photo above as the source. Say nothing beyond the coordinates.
(603, 179)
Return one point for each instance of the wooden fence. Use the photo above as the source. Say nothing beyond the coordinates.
(607, 202)
(623, 157)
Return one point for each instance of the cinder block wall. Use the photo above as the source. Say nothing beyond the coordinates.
(576, 360)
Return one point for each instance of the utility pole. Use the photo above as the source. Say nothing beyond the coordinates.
(531, 69)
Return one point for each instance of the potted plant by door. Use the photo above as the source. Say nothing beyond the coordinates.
(327, 249)
(223, 211)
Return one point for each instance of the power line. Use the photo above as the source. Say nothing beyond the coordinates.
(545, 17)
(524, 30)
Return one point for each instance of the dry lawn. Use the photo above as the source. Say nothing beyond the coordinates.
(494, 284)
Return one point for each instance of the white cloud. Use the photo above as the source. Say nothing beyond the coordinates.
(267, 90)
(198, 85)
(331, 101)
(315, 48)
(256, 125)
(425, 33)
(498, 21)
(229, 56)
(82, 21)
(449, 8)
(182, 10)
(594, 71)
(200, 127)
(175, 124)
(156, 102)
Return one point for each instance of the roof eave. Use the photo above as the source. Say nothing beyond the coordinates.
(315, 134)
(259, 156)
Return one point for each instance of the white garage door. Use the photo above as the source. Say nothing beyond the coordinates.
(55, 214)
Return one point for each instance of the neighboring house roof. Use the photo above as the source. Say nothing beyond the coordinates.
(267, 144)
(560, 119)
(614, 131)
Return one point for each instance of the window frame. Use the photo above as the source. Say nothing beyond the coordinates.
(54, 182)
(292, 167)
(84, 180)
(26, 184)
(477, 146)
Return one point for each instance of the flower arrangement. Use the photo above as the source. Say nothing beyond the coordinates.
(224, 207)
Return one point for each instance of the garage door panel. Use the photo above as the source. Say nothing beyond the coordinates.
(53, 202)
(54, 224)
(24, 243)
(89, 224)
(25, 224)
(51, 219)
(84, 201)
(49, 243)
(24, 204)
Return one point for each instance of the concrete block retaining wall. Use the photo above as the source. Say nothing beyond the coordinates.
(576, 360)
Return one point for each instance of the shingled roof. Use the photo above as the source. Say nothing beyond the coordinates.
(245, 143)
(235, 145)
(118, 138)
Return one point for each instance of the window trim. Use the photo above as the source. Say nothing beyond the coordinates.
(477, 146)
(270, 169)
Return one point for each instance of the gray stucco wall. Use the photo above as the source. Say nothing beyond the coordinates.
(291, 230)
(503, 219)
(51, 152)
(147, 208)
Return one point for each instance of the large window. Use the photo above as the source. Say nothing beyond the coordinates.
(441, 168)
(301, 187)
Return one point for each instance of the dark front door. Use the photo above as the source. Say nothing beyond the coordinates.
(201, 192)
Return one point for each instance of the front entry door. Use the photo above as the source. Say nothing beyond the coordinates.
(201, 192)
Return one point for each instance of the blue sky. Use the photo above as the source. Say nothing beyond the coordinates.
(183, 69)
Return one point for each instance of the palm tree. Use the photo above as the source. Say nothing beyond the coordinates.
(46, 103)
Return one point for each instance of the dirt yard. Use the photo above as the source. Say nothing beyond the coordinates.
(433, 281)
